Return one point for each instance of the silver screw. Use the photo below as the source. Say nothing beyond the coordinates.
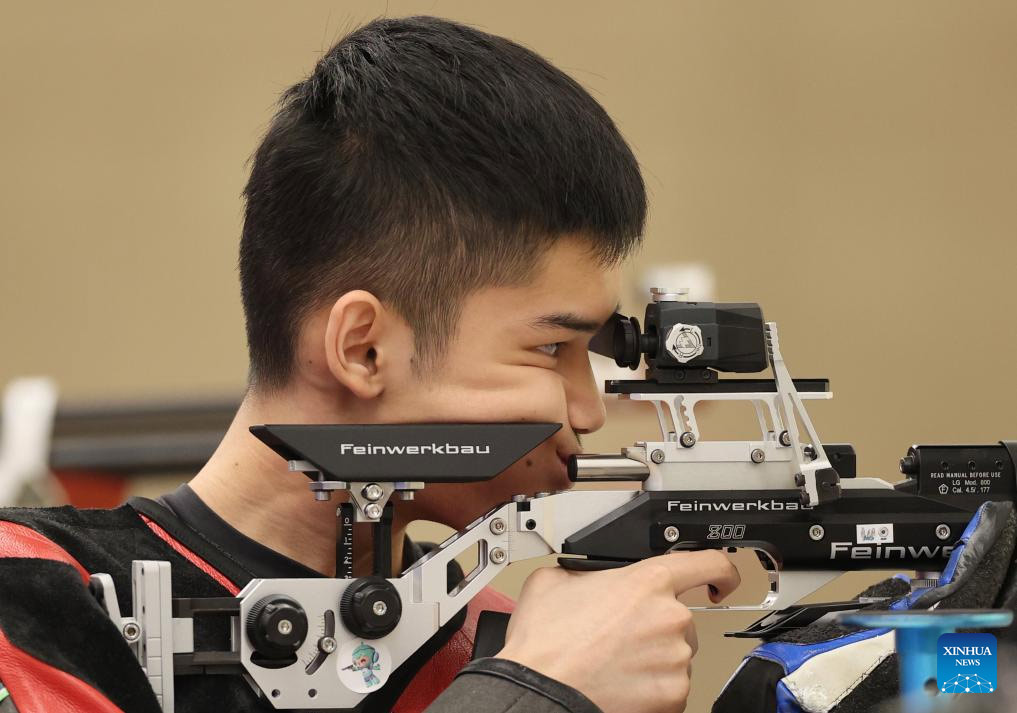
(327, 644)
(518, 498)
(542, 494)
(131, 632)
(373, 511)
(785, 438)
(817, 533)
(498, 526)
(379, 608)
(942, 531)
(373, 491)
(688, 439)
(757, 455)
(285, 626)
(657, 456)
(406, 495)
(497, 555)
(671, 533)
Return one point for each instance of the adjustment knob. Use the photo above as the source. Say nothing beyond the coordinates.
(625, 342)
(669, 294)
(909, 463)
(276, 626)
(370, 607)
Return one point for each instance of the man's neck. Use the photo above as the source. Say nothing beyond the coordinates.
(249, 487)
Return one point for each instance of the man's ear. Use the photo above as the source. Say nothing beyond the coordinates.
(355, 326)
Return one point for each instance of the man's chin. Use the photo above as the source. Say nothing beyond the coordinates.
(561, 480)
(551, 477)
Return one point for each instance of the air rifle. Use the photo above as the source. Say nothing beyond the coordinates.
(791, 499)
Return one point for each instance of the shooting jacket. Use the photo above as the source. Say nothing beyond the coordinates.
(829, 668)
(59, 652)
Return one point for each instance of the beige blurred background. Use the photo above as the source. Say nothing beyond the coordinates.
(852, 166)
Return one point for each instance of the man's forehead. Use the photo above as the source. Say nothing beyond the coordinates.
(570, 289)
(575, 288)
(584, 308)
(580, 306)
(577, 322)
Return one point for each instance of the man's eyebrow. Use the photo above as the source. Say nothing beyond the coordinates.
(567, 320)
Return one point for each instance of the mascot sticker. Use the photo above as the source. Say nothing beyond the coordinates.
(364, 667)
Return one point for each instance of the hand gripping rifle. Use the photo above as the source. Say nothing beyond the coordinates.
(787, 496)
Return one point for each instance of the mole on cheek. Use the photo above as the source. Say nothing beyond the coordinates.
(529, 463)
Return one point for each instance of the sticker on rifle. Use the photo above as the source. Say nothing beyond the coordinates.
(684, 342)
(364, 667)
(879, 534)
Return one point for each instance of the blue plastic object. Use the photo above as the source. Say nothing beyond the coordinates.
(915, 638)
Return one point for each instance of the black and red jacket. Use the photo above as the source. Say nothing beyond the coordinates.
(59, 652)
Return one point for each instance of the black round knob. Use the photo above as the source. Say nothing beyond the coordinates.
(909, 463)
(626, 342)
(276, 626)
(370, 607)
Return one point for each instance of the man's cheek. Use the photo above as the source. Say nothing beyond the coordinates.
(502, 394)
(543, 399)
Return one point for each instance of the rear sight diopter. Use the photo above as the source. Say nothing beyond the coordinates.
(685, 341)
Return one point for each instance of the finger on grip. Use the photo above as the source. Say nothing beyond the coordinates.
(695, 569)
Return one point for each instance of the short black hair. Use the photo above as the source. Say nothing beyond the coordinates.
(421, 160)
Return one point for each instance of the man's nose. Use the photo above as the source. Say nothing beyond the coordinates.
(586, 409)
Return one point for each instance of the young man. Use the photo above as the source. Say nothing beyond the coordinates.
(433, 230)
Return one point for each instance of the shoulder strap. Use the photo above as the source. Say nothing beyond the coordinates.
(191, 545)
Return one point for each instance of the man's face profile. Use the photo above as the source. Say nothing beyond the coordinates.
(449, 263)
(519, 353)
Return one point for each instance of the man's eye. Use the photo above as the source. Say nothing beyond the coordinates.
(550, 349)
